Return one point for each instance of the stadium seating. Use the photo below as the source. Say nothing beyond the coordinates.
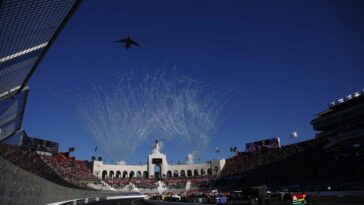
(201, 182)
(247, 161)
(58, 169)
(71, 170)
(307, 166)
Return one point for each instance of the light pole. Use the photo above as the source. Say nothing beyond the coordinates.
(294, 136)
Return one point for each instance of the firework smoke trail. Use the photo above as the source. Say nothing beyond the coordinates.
(192, 115)
(118, 119)
(173, 105)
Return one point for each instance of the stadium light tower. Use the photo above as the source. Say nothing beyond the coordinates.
(217, 151)
(294, 136)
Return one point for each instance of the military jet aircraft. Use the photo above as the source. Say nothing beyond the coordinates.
(128, 42)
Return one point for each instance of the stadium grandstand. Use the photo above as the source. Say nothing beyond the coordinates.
(332, 160)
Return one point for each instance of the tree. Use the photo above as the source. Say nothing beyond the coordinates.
(71, 149)
(99, 159)
(233, 149)
(93, 158)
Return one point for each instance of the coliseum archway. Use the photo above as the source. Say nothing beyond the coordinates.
(104, 174)
(125, 174)
(169, 174)
(111, 174)
(118, 174)
(145, 174)
(157, 171)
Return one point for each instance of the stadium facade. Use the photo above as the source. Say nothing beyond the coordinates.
(156, 167)
(342, 124)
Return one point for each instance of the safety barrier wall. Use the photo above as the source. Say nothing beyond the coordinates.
(324, 198)
(19, 187)
(157, 202)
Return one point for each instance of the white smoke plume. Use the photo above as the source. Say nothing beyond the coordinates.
(190, 159)
(121, 162)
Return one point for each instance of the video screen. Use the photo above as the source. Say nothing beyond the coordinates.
(157, 161)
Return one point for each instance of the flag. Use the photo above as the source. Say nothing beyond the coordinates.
(95, 148)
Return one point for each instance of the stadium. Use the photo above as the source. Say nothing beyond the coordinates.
(326, 169)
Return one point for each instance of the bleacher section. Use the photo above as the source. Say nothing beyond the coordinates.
(150, 184)
(57, 169)
(73, 171)
(307, 165)
(247, 161)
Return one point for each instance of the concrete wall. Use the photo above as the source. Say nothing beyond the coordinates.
(18, 187)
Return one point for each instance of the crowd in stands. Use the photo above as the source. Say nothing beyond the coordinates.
(72, 170)
(307, 165)
(143, 183)
(58, 169)
(201, 182)
(247, 161)
(31, 162)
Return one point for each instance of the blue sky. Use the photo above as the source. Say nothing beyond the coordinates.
(285, 60)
